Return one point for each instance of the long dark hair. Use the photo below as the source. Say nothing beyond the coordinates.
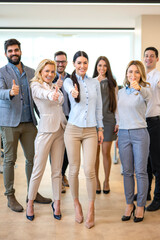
(73, 75)
(111, 83)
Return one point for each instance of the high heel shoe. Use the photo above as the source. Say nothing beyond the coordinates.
(90, 224)
(105, 191)
(31, 218)
(127, 218)
(58, 217)
(79, 218)
(139, 219)
(98, 191)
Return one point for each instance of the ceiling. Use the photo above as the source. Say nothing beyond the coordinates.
(70, 15)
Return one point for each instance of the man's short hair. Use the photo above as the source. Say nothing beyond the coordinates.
(152, 49)
(59, 53)
(11, 42)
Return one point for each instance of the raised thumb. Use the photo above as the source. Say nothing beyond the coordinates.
(14, 83)
(75, 86)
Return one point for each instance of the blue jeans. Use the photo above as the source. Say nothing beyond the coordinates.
(134, 149)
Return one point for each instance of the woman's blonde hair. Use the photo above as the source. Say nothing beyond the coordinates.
(37, 76)
(141, 70)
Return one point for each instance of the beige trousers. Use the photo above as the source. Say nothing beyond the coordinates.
(46, 143)
(74, 138)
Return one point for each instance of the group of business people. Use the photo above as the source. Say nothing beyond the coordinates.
(92, 105)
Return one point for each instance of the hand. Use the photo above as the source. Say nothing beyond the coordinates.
(56, 94)
(135, 85)
(100, 77)
(59, 82)
(15, 89)
(100, 137)
(116, 129)
(74, 91)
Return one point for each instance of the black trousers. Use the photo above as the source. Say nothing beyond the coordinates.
(65, 160)
(150, 174)
(65, 163)
(154, 155)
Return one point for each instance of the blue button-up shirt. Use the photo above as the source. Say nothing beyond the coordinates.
(88, 112)
(24, 92)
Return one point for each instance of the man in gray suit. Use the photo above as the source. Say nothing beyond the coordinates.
(17, 121)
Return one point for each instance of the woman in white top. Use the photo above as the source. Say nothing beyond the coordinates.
(48, 100)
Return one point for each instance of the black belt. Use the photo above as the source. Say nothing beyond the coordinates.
(153, 118)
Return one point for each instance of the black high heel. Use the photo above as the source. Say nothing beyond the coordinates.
(31, 218)
(104, 190)
(139, 219)
(98, 191)
(58, 217)
(127, 218)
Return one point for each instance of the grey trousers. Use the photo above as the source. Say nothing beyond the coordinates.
(46, 143)
(26, 133)
(134, 149)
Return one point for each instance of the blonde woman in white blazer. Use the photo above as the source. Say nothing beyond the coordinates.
(48, 99)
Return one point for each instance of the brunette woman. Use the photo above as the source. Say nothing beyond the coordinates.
(85, 116)
(108, 85)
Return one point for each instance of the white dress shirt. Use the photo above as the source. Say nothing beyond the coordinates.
(153, 105)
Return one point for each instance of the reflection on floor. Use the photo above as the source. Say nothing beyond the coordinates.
(108, 211)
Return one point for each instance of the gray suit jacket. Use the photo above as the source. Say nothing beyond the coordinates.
(11, 107)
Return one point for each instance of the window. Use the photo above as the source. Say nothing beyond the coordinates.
(116, 45)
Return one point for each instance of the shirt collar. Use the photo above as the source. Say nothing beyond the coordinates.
(14, 66)
(80, 78)
(130, 90)
(47, 85)
(151, 73)
(65, 74)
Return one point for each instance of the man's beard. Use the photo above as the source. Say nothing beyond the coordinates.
(15, 62)
(61, 71)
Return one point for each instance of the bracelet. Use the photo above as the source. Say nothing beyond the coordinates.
(101, 130)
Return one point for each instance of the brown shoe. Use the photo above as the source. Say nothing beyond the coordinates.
(65, 181)
(13, 204)
(63, 189)
(41, 199)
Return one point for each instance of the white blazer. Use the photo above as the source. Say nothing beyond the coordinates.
(51, 113)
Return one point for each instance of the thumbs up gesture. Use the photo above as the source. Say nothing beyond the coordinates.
(100, 77)
(15, 89)
(135, 85)
(59, 82)
(74, 91)
(56, 94)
